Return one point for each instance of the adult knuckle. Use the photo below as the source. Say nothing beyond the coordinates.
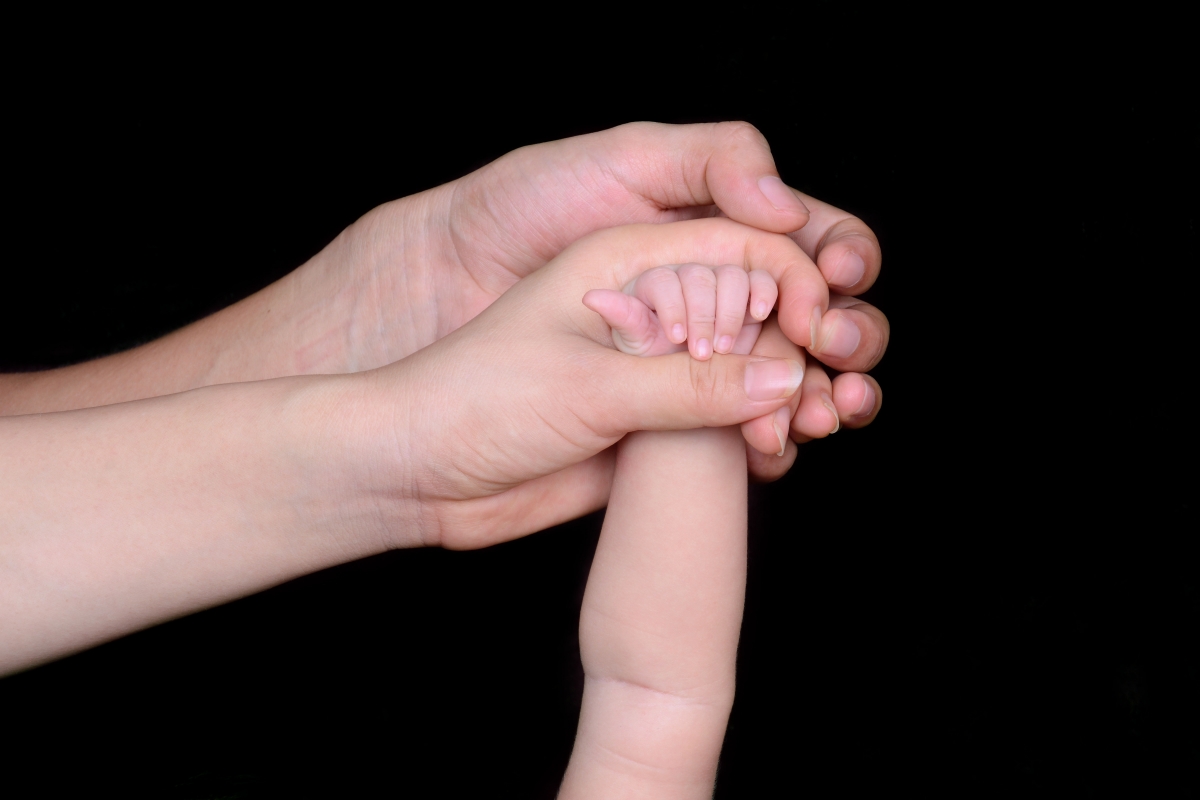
(740, 132)
(878, 348)
(707, 379)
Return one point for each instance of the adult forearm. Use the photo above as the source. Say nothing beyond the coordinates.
(250, 340)
(312, 321)
(116, 518)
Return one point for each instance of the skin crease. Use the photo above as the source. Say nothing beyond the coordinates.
(182, 502)
(307, 472)
(661, 616)
(416, 269)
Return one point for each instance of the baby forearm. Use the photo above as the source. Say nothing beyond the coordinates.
(661, 617)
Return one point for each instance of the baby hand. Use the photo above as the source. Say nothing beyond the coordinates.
(719, 310)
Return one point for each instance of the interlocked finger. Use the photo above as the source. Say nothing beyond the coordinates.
(763, 293)
(659, 289)
(733, 293)
(700, 293)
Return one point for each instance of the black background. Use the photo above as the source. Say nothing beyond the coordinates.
(988, 593)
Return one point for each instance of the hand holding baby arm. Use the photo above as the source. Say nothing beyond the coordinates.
(122, 516)
(575, 396)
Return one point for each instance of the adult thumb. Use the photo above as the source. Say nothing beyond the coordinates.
(677, 392)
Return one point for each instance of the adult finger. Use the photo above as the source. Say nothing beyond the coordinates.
(677, 392)
(769, 434)
(728, 164)
(858, 399)
(853, 335)
(765, 468)
(816, 417)
(845, 249)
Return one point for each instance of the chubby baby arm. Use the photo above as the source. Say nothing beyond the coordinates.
(659, 626)
(663, 606)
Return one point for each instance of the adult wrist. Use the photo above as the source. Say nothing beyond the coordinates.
(340, 432)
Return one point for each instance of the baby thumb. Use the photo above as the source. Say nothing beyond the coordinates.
(677, 392)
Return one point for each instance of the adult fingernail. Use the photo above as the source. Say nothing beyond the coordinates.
(724, 344)
(849, 271)
(827, 401)
(840, 338)
(780, 196)
(678, 334)
(703, 349)
(782, 420)
(868, 402)
(774, 379)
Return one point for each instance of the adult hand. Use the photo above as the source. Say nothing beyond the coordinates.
(521, 403)
(816, 411)
(118, 517)
(482, 233)
(416, 269)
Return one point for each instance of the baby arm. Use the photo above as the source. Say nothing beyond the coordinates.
(662, 611)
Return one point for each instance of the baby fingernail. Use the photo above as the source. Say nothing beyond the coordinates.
(724, 344)
(782, 420)
(703, 349)
(849, 271)
(779, 195)
(827, 401)
(678, 334)
(841, 338)
(760, 310)
(774, 379)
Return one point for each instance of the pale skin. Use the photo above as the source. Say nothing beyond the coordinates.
(121, 516)
(352, 407)
(661, 616)
(413, 270)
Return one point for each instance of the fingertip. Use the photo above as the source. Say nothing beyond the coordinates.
(831, 409)
(835, 335)
(783, 201)
(849, 263)
(763, 294)
(848, 272)
(858, 399)
(768, 467)
(853, 335)
(817, 415)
